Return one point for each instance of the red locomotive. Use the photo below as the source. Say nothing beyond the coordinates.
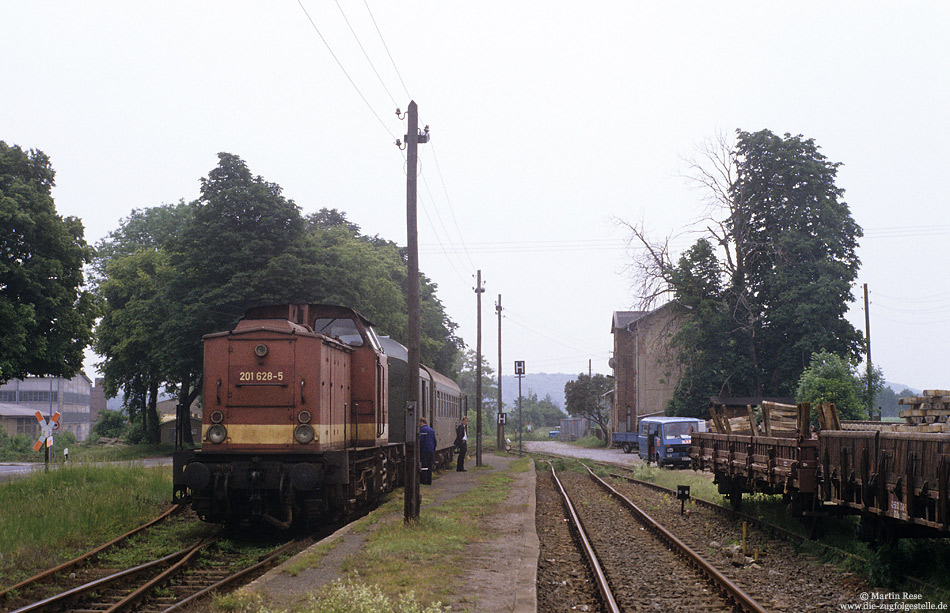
(297, 419)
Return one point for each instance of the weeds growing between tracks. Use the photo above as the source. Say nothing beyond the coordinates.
(49, 517)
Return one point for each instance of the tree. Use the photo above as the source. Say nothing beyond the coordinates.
(540, 413)
(832, 378)
(584, 397)
(46, 316)
(466, 380)
(133, 272)
(370, 275)
(111, 424)
(771, 282)
(244, 246)
(803, 262)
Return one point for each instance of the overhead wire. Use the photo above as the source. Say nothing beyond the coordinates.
(363, 49)
(386, 47)
(347, 74)
(447, 251)
(451, 208)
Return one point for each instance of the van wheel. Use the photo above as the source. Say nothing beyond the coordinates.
(627, 448)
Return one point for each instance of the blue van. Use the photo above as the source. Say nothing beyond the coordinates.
(666, 440)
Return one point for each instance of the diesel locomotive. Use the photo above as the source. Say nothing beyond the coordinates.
(304, 418)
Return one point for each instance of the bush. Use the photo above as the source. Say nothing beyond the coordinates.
(136, 434)
(111, 424)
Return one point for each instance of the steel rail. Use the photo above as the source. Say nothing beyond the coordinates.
(600, 578)
(140, 593)
(266, 561)
(732, 591)
(43, 605)
(76, 561)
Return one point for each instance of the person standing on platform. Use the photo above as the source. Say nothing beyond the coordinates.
(426, 451)
(461, 443)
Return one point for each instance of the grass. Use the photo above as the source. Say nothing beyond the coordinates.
(50, 517)
(403, 567)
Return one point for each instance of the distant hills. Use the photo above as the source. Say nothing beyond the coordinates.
(542, 384)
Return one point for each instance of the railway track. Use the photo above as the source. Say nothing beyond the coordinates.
(165, 584)
(95, 582)
(644, 567)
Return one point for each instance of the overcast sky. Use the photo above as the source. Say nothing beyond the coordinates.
(548, 122)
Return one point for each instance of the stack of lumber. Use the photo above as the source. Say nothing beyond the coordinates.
(883, 426)
(932, 406)
(723, 424)
(784, 419)
(928, 412)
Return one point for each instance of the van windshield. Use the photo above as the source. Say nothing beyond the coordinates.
(678, 429)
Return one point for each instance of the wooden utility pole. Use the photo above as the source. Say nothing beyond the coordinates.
(867, 334)
(479, 290)
(413, 138)
(501, 427)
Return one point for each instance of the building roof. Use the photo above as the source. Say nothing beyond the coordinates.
(13, 410)
(622, 319)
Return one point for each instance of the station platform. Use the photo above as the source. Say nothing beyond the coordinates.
(498, 573)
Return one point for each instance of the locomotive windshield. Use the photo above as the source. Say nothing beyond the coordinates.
(343, 329)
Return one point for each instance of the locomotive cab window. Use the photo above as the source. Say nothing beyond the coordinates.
(343, 329)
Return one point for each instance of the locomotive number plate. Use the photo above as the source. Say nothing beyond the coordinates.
(260, 376)
(243, 377)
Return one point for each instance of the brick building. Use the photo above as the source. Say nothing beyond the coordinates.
(644, 364)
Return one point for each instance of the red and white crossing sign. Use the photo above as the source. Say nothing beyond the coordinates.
(47, 427)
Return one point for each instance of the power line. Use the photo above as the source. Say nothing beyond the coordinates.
(340, 64)
(451, 208)
(386, 47)
(366, 55)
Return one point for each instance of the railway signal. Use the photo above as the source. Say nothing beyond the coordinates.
(519, 371)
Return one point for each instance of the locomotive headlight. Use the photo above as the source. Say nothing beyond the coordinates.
(261, 350)
(217, 433)
(303, 434)
(217, 417)
(304, 417)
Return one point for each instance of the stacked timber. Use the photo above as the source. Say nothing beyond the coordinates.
(928, 412)
(723, 424)
(779, 419)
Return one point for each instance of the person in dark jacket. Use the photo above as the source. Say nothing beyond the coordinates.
(461, 443)
(426, 452)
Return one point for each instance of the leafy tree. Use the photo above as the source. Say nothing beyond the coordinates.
(770, 285)
(133, 274)
(111, 424)
(886, 402)
(466, 380)
(369, 274)
(584, 397)
(538, 412)
(832, 378)
(171, 274)
(802, 259)
(45, 316)
(244, 246)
